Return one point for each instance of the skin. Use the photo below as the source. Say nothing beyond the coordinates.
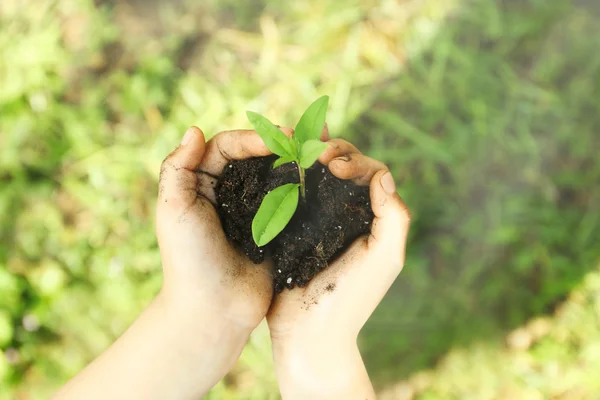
(314, 348)
(213, 297)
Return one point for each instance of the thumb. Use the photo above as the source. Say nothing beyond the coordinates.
(392, 218)
(178, 180)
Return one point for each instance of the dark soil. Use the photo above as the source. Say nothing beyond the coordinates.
(335, 213)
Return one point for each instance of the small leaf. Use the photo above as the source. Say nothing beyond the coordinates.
(274, 213)
(275, 140)
(283, 160)
(312, 121)
(311, 150)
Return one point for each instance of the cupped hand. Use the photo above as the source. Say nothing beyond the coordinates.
(212, 297)
(314, 329)
(203, 272)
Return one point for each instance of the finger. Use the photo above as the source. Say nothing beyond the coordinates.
(392, 219)
(357, 167)
(234, 145)
(177, 180)
(189, 153)
(337, 148)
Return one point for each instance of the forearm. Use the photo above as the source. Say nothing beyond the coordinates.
(324, 370)
(163, 355)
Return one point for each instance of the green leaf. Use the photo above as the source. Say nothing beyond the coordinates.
(311, 150)
(274, 213)
(312, 121)
(283, 160)
(275, 140)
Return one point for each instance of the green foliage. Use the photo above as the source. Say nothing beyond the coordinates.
(547, 358)
(273, 137)
(310, 151)
(311, 123)
(276, 210)
(283, 160)
(485, 112)
(6, 328)
(302, 149)
(489, 134)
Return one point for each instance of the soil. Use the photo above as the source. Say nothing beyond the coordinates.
(334, 214)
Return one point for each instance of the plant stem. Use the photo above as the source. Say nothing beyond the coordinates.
(302, 185)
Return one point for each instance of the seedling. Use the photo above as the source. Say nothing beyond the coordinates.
(303, 148)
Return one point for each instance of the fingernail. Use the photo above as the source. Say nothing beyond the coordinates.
(189, 134)
(388, 184)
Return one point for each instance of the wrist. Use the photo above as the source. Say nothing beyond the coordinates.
(200, 326)
(323, 367)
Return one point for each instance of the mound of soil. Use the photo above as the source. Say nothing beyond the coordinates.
(335, 213)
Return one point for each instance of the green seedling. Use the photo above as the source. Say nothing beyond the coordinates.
(303, 148)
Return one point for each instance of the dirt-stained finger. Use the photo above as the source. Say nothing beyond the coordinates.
(177, 178)
(337, 148)
(392, 217)
(357, 167)
(233, 145)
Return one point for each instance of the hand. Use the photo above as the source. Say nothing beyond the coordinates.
(212, 296)
(314, 330)
(202, 270)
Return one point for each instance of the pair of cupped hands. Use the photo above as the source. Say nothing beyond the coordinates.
(213, 296)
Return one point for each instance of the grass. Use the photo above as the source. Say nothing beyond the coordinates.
(505, 209)
(546, 358)
(485, 112)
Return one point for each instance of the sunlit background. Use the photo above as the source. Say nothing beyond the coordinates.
(487, 112)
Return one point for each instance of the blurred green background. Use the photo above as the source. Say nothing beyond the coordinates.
(487, 113)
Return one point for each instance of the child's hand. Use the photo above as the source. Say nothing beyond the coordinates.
(203, 272)
(314, 329)
(191, 335)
